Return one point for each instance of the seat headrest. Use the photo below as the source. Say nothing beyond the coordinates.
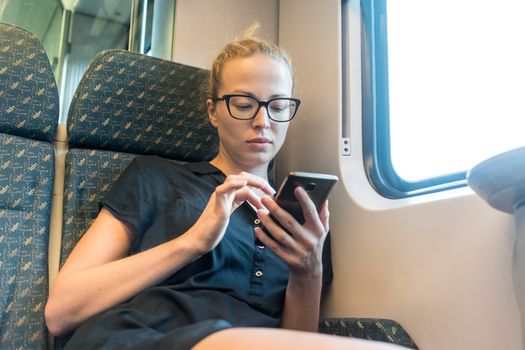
(28, 92)
(139, 104)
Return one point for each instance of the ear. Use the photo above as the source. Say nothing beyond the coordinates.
(212, 110)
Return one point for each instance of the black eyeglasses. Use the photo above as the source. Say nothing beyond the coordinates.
(243, 107)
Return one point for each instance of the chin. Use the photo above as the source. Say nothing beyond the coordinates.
(261, 159)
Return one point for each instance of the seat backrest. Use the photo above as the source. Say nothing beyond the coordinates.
(28, 121)
(128, 104)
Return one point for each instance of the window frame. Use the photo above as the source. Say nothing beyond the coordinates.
(375, 113)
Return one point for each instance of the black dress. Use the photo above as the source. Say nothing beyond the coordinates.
(239, 283)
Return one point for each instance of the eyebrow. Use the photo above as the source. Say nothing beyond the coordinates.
(247, 93)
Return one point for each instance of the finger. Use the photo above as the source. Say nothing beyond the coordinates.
(281, 216)
(300, 261)
(279, 235)
(258, 182)
(280, 250)
(310, 214)
(304, 238)
(308, 207)
(230, 185)
(246, 194)
(324, 215)
(235, 182)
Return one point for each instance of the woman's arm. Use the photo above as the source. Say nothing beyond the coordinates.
(302, 250)
(302, 303)
(99, 274)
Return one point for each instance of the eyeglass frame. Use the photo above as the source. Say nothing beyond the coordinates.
(226, 98)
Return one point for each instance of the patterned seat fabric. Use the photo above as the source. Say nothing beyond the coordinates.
(29, 95)
(129, 104)
(89, 175)
(28, 120)
(138, 104)
(368, 328)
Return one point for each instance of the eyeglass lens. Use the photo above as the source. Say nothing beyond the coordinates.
(246, 107)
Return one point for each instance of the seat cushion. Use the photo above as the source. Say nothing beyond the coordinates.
(26, 187)
(368, 328)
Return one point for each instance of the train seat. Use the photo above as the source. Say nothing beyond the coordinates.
(126, 105)
(29, 109)
(378, 329)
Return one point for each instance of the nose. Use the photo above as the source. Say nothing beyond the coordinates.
(262, 120)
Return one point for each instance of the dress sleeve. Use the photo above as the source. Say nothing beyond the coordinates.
(131, 198)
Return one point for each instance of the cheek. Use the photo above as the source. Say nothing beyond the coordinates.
(222, 121)
(280, 133)
(230, 128)
(230, 132)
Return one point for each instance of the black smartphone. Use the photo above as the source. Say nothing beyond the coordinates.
(318, 187)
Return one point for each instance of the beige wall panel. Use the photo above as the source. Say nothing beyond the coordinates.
(202, 27)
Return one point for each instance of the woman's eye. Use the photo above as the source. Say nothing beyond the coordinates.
(243, 107)
(279, 107)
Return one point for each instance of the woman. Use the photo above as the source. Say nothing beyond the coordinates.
(176, 257)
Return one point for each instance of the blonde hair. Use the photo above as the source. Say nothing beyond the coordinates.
(247, 46)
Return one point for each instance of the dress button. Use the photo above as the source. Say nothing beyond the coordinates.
(258, 273)
(260, 246)
(256, 221)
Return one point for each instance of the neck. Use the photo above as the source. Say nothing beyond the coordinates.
(229, 167)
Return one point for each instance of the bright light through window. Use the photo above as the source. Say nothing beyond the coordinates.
(456, 83)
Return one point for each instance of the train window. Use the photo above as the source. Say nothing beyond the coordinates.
(74, 31)
(441, 89)
(40, 17)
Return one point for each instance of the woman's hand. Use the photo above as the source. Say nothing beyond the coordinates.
(301, 247)
(228, 196)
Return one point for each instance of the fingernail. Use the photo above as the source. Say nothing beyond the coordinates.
(262, 210)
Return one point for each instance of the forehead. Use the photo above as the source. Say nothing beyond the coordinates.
(257, 74)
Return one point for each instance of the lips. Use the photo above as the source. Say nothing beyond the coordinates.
(257, 140)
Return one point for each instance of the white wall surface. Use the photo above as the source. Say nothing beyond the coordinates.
(202, 27)
(441, 265)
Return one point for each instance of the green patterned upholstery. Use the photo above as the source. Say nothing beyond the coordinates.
(368, 328)
(29, 93)
(28, 119)
(128, 104)
(89, 175)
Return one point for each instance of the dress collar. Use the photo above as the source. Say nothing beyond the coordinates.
(203, 168)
